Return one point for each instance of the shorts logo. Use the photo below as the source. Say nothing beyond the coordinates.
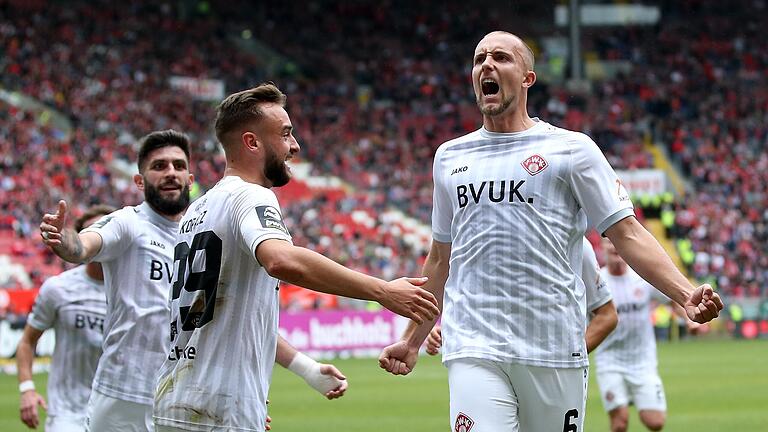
(463, 423)
(270, 218)
(609, 396)
(535, 164)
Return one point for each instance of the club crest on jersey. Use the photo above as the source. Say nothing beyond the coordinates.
(463, 423)
(535, 164)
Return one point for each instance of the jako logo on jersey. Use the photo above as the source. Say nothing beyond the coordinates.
(463, 423)
(156, 243)
(459, 170)
(535, 164)
(496, 192)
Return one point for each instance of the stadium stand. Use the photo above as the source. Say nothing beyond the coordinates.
(371, 111)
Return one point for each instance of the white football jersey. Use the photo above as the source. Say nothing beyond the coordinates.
(598, 293)
(137, 258)
(632, 345)
(224, 313)
(510, 205)
(73, 304)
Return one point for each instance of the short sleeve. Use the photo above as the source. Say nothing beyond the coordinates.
(597, 291)
(442, 213)
(257, 217)
(43, 314)
(597, 187)
(115, 233)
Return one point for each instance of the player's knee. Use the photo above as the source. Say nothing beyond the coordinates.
(619, 420)
(653, 420)
(619, 426)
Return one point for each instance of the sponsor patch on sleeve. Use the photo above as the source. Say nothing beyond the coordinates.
(270, 218)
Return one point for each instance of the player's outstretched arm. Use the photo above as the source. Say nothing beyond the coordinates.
(603, 322)
(308, 269)
(400, 358)
(65, 242)
(646, 256)
(30, 399)
(325, 378)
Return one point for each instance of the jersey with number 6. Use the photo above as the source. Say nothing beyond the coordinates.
(224, 312)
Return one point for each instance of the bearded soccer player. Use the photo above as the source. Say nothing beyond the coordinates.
(135, 247)
(73, 304)
(231, 250)
(511, 203)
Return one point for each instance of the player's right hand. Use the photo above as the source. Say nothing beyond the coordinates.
(434, 340)
(404, 297)
(53, 225)
(398, 358)
(28, 408)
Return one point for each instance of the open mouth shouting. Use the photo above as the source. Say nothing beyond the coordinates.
(489, 87)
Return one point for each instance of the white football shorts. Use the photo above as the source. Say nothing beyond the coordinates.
(489, 396)
(107, 414)
(57, 423)
(643, 389)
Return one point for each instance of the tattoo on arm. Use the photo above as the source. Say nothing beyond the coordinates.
(71, 248)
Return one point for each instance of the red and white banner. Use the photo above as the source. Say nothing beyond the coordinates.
(643, 181)
(203, 89)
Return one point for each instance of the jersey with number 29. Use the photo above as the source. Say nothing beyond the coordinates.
(224, 313)
(514, 207)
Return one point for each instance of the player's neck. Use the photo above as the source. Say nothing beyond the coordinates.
(94, 271)
(173, 218)
(248, 176)
(509, 121)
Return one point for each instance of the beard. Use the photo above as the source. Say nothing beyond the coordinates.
(275, 169)
(164, 206)
(505, 103)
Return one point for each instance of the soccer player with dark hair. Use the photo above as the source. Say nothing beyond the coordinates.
(510, 206)
(231, 250)
(73, 304)
(135, 247)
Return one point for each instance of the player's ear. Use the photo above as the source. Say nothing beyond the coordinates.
(250, 141)
(529, 79)
(138, 179)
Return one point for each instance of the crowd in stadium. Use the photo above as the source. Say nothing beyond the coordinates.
(372, 110)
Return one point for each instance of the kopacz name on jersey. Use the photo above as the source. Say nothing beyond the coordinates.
(191, 224)
(497, 191)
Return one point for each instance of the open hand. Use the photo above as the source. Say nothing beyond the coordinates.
(404, 297)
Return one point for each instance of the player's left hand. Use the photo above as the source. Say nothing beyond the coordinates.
(269, 420)
(703, 305)
(434, 340)
(333, 373)
(398, 358)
